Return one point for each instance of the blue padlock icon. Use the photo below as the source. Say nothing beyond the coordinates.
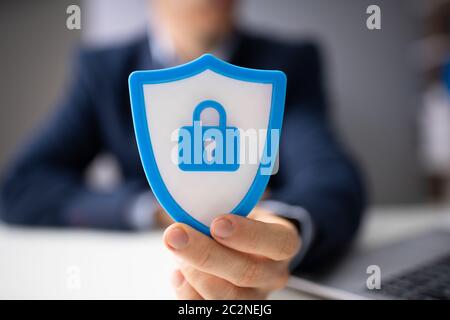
(208, 148)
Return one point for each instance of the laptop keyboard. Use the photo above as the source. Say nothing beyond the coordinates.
(427, 282)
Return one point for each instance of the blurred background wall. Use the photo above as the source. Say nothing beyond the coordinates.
(34, 53)
(372, 80)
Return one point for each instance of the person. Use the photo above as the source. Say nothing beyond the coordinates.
(313, 205)
(434, 115)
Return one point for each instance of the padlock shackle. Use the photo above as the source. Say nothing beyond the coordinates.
(214, 105)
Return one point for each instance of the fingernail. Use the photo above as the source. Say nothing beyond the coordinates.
(177, 238)
(177, 279)
(223, 228)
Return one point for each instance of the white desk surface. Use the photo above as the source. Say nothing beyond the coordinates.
(72, 264)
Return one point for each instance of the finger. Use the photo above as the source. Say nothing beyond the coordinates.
(213, 288)
(207, 255)
(182, 287)
(272, 240)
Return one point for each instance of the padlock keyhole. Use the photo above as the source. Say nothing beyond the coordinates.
(209, 146)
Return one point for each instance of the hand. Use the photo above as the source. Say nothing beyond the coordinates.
(247, 259)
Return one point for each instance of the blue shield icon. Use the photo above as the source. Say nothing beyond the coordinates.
(207, 133)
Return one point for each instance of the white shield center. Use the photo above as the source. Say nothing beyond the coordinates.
(169, 106)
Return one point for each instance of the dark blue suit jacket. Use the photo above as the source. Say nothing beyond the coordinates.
(45, 185)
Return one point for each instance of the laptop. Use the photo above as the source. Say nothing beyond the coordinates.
(411, 269)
